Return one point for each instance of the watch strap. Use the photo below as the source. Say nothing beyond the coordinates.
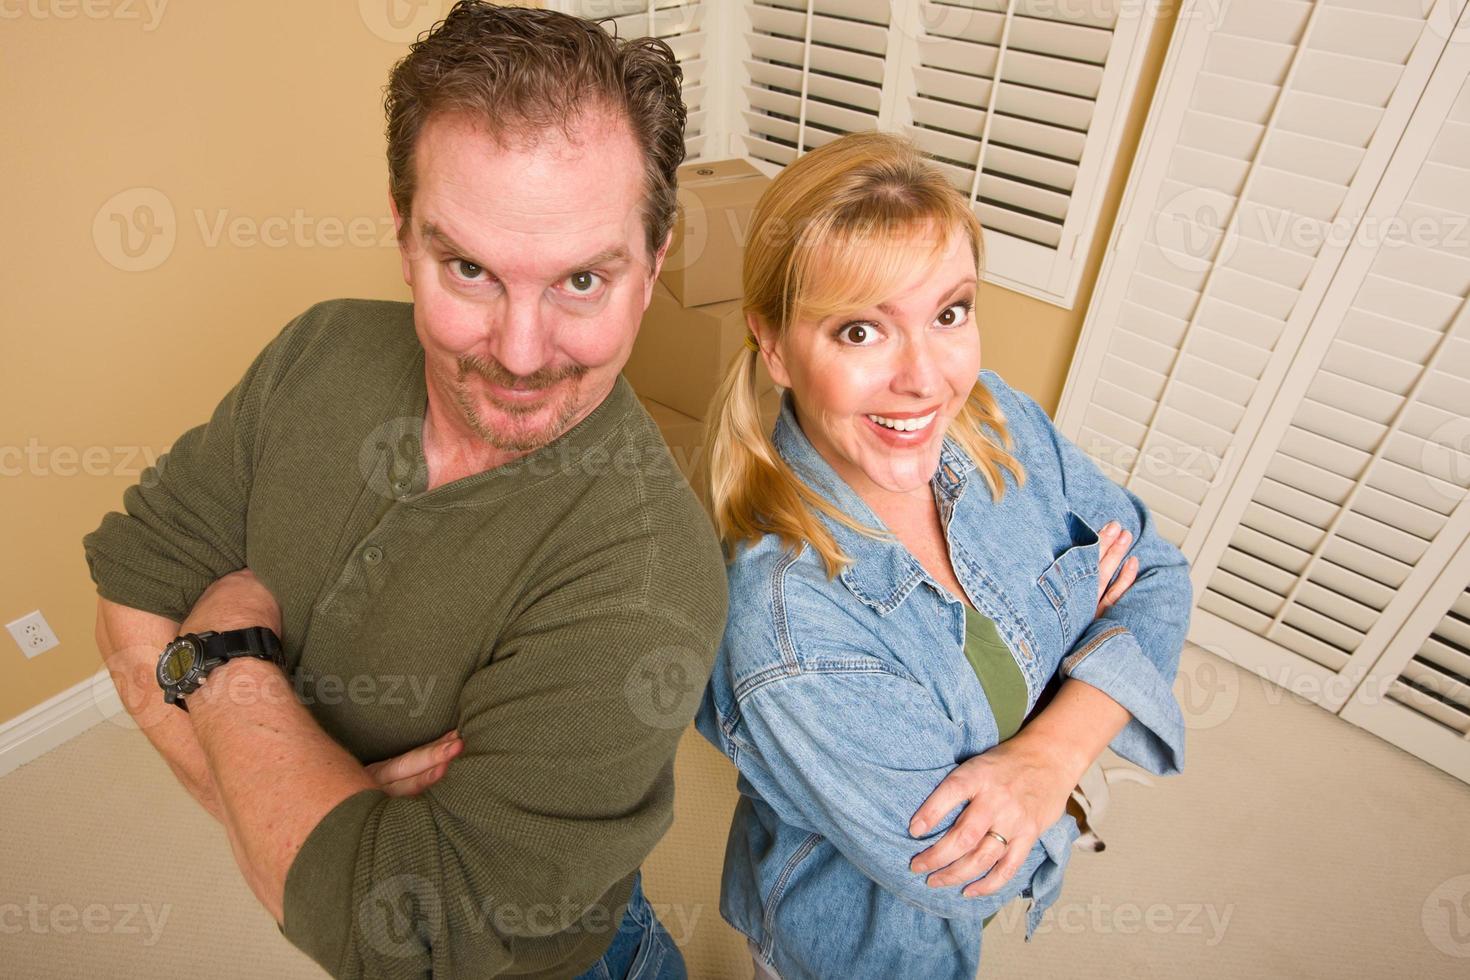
(252, 641)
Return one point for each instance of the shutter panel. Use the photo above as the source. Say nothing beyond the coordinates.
(1417, 694)
(1034, 79)
(816, 71)
(680, 25)
(1293, 306)
(1219, 262)
(1436, 683)
(1018, 102)
(1354, 496)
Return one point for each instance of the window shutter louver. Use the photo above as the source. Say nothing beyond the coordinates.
(1417, 694)
(1436, 683)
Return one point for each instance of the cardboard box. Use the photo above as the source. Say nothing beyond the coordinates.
(682, 352)
(715, 203)
(685, 437)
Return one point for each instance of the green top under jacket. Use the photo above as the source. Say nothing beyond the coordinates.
(1000, 675)
(1004, 684)
(562, 612)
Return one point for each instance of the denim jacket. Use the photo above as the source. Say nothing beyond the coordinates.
(844, 702)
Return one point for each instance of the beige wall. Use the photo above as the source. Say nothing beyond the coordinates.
(257, 123)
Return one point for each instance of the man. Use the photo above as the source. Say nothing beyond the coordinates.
(459, 498)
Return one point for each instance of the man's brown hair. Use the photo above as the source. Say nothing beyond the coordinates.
(521, 71)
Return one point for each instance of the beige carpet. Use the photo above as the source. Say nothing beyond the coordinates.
(1294, 846)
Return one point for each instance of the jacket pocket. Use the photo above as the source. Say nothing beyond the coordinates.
(1070, 582)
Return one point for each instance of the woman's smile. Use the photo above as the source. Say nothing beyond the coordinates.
(903, 429)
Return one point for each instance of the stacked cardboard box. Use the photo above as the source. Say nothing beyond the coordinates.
(695, 326)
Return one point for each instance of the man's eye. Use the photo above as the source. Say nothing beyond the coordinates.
(858, 333)
(583, 283)
(466, 269)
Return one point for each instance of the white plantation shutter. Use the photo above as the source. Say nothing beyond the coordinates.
(1204, 298)
(1017, 100)
(816, 71)
(1354, 497)
(1436, 682)
(680, 25)
(1417, 694)
(1004, 96)
(1278, 358)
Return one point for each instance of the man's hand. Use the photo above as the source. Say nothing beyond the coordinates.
(417, 769)
(240, 599)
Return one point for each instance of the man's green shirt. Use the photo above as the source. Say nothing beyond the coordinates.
(561, 611)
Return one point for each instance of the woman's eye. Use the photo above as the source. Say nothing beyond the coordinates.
(953, 315)
(583, 283)
(858, 334)
(466, 269)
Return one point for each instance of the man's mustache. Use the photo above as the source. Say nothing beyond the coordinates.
(495, 373)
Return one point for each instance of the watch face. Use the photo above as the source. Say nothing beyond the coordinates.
(178, 659)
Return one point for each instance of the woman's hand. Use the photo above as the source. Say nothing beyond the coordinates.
(1013, 789)
(1113, 544)
(1020, 787)
(417, 769)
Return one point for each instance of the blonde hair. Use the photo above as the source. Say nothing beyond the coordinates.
(837, 231)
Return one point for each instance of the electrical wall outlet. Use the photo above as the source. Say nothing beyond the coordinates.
(33, 634)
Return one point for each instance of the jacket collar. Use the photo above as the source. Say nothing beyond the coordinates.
(883, 572)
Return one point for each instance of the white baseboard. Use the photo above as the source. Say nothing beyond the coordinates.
(31, 735)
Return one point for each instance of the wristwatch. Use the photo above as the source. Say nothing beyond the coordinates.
(189, 658)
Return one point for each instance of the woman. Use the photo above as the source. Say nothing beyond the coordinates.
(915, 569)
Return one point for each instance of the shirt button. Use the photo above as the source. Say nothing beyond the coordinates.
(401, 487)
(372, 554)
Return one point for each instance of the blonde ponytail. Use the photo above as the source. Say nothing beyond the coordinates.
(753, 491)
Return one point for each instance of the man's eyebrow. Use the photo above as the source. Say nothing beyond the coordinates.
(434, 234)
(613, 254)
(956, 288)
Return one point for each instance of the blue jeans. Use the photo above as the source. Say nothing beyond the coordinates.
(642, 949)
